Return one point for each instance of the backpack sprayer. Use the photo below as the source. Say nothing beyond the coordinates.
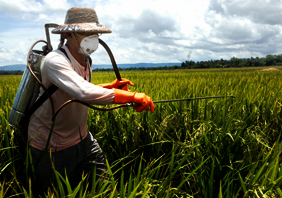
(30, 84)
(26, 101)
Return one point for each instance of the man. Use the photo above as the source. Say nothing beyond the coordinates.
(72, 147)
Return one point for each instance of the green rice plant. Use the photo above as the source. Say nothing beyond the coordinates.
(206, 148)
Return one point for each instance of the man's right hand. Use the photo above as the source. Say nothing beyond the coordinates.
(143, 101)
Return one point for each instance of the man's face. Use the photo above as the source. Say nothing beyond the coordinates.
(74, 41)
(88, 42)
(83, 35)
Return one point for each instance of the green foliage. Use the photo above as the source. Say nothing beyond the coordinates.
(269, 60)
(206, 148)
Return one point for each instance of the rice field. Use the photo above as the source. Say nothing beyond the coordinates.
(225, 147)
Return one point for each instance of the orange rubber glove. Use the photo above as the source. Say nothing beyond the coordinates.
(116, 83)
(142, 99)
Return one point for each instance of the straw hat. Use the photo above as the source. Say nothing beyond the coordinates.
(81, 20)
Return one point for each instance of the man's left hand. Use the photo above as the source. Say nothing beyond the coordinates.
(117, 84)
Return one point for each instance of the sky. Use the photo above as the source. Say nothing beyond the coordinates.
(151, 31)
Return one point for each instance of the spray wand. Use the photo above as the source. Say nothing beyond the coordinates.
(119, 78)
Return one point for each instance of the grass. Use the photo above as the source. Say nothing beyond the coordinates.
(206, 148)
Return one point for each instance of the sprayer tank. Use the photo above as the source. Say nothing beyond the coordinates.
(27, 90)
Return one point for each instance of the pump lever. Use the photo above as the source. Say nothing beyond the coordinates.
(47, 26)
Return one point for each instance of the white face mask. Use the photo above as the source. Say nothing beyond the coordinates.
(89, 44)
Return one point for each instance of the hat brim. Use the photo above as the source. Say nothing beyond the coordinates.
(81, 27)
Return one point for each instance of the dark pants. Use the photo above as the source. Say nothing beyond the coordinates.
(82, 157)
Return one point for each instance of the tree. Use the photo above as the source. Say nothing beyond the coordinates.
(269, 60)
(235, 61)
(256, 61)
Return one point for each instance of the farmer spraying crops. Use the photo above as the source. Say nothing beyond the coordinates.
(72, 147)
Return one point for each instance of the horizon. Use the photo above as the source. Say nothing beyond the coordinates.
(100, 66)
(107, 64)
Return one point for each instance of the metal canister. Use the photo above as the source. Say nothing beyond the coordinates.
(26, 90)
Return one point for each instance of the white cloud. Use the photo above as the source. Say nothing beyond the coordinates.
(258, 11)
(244, 26)
(17, 42)
(154, 30)
(33, 6)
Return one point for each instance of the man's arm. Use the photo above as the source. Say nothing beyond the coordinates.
(60, 72)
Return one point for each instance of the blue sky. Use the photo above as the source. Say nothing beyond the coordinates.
(152, 31)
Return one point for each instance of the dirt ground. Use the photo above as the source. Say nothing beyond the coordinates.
(270, 69)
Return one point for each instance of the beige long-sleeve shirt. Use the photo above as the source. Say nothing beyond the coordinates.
(69, 76)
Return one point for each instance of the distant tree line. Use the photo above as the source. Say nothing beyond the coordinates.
(269, 60)
(138, 68)
(11, 72)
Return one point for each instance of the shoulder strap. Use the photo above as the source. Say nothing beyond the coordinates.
(64, 51)
(41, 99)
(44, 96)
(90, 62)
